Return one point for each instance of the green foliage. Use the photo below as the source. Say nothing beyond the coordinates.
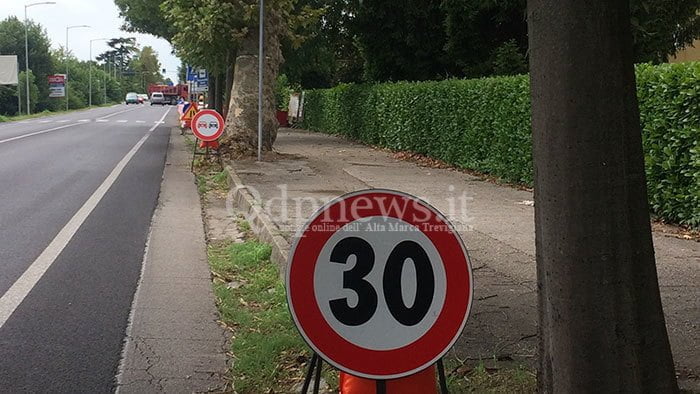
(477, 32)
(669, 102)
(329, 54)
(484, 125)
(40, 62)
(282, 92)
(401, 39)
(481, 124)
(145, 16)
(661, 27)
(33, 92)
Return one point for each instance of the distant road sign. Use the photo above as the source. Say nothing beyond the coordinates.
(379, 284)
(57, 85)
(208, 125)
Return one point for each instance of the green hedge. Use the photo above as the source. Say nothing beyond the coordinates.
(484, 125)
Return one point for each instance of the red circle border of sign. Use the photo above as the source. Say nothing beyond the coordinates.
(367, 363)
(196, 132)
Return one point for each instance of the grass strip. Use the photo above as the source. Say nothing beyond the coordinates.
(269, 354)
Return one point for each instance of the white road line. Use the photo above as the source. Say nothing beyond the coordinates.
(36, 133)
(21, 288)
(122, 121)
(63, 121)
(44, 121)
(116, 113)
(102, 120)
(84, 120)
(140, 121)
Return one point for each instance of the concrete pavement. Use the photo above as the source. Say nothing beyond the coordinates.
(496, 223)
(174, 343)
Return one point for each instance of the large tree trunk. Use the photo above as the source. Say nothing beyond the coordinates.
(601, 322)
(229, 83)
(242, 118)
(211, 93)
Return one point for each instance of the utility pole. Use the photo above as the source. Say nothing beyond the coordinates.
(260, 77)
(601, 321)
(26, 49)
(66, 54)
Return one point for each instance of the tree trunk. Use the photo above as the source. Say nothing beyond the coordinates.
(242, 118)
(229, 83)
(219, 99)
(601, 322)
(211, 93)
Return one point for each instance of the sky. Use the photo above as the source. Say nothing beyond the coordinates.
(103, 18)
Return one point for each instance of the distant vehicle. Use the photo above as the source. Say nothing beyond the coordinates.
(171, 94)
(143, 97)
(158, 98)
(131, 98)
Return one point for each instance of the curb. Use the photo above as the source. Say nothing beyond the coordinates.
(260, 222)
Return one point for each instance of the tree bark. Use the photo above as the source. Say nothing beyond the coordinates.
(241, 134)
(220, 85)
(211, 94)
(601, 321)
(229, 84)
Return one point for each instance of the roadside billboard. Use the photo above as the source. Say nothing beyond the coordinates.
(8, 70)
(57, 85)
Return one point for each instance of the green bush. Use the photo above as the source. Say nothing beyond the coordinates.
(669, 104)
(484, 125)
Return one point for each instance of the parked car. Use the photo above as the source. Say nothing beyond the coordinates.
(131, 98)
(158, 98)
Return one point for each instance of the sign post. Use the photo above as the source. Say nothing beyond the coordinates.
(379, 284)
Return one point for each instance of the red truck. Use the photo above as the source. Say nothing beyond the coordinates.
(171, 93)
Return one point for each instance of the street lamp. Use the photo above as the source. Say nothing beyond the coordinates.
(90, 72)
(26, 47)
(68, 28)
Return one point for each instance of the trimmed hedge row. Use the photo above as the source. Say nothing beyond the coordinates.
(484, 125)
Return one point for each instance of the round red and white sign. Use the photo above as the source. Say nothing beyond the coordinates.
(379, 284)
(207, 125)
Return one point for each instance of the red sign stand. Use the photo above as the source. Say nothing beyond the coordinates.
(207, 126)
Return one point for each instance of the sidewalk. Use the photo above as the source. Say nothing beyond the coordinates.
(496, 223)
(174, 343)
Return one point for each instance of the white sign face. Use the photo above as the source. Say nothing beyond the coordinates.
(207, 125)
(399, 318)
(379, 284)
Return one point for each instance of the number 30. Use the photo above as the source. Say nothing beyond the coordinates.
(354, 279)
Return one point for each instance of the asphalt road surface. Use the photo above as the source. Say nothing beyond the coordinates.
(77, 192)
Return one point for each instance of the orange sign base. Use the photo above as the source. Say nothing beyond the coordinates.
(423, 382)
(209, 144)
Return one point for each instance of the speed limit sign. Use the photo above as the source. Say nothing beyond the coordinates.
(379, 284)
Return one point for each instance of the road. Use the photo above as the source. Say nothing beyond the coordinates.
(77, 192)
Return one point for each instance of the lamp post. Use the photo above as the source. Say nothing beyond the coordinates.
(67, 29)
(105, 79)
(90, 71)
(26, 47)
